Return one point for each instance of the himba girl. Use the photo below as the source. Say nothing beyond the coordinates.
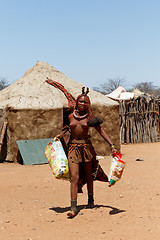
(80, 152)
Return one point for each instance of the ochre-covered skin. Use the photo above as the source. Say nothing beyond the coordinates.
(79, 152)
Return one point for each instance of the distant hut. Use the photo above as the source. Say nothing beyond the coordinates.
(34, 109)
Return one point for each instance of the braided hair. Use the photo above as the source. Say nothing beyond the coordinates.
(92, 119)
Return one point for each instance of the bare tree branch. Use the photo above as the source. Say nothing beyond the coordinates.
(110, 85)
(3, 83)
(146, 87)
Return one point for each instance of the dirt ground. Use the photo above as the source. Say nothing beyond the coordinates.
(34, 204)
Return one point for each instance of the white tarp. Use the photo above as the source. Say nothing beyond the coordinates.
(120, 94)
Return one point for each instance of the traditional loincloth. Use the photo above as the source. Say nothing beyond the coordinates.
(81, 151)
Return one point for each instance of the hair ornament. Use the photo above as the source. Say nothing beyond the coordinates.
(85, 92)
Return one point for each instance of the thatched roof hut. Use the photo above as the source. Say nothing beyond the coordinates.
(34, 109)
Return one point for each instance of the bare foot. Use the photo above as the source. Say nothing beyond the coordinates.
(72, 214)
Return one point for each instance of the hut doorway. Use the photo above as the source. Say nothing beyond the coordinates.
(66, 113)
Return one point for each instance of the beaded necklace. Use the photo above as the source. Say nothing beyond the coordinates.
(79, 117)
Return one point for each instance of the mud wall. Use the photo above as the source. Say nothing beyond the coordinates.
(27, 124)
(110, 117)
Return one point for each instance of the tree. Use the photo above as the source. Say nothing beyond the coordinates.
(158, 92)
(3, 83)
(146, 87)
(110, 85)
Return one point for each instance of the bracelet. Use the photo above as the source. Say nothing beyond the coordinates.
(112, 146)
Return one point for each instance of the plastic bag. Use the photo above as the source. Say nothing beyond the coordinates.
(116, 169)
(57, 159)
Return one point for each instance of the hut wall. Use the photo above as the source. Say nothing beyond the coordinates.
(25, 124)
(110, 117)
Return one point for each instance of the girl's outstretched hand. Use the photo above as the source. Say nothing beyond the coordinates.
(57, 137)
(113, 148)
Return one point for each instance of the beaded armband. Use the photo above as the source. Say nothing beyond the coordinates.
(112, 146)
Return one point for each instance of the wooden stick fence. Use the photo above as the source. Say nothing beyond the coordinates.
(139, 120)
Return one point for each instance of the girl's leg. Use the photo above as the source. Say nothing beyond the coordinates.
(89, 179)
(74, 170)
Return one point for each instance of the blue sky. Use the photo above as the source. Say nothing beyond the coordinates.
(90, 41)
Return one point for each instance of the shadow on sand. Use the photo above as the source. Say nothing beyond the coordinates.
(113, 210)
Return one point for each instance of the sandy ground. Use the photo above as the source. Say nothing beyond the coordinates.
(34, 205)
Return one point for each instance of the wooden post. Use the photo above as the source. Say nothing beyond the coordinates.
(2, 133)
